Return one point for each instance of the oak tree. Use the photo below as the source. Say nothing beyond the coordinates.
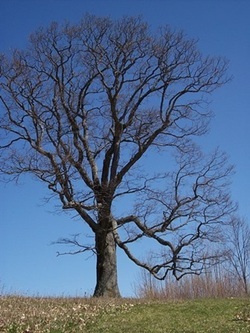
(106, 113)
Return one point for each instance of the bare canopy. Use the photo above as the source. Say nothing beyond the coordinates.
(86, 108)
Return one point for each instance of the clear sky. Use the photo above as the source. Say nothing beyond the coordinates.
(28, 263)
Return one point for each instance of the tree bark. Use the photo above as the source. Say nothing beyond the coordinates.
(106, 265)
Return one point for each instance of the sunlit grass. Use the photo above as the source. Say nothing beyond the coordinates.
(213, 316)
(69, 315)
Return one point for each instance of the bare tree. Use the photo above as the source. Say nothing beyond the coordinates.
(238, 251)
(86, 107)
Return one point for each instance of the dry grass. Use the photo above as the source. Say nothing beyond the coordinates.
(53, 315)
(189, 287)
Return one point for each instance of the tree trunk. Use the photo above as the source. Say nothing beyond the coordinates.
(106, 265)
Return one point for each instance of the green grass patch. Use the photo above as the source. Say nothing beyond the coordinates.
(215, 316)
(65, 315)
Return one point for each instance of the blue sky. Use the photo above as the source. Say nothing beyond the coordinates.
(28, 263)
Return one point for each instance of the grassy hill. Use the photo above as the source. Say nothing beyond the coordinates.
(61, 315)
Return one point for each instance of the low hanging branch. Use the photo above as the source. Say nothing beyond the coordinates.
(73, 241)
